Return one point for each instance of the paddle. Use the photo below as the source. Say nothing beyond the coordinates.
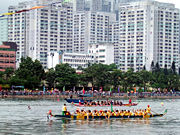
(154, 112)
(163, 113)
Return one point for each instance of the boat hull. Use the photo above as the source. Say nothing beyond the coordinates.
(105, 117)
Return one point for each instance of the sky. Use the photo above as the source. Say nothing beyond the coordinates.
(5, 3)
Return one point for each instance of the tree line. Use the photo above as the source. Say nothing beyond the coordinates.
(32, 75)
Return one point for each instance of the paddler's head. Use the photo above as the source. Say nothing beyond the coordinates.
(148, 106)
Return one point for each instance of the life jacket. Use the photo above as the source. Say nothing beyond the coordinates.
(140, 113)
(148, 110)
(136, 113)
(108, 114)
(96, 114)
(113, 114)
(64, 108)
(78, 114)
(117, 114)
(121, 114)
(127, 114)
(104, 114)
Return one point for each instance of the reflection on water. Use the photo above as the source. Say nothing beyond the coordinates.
(17, 118)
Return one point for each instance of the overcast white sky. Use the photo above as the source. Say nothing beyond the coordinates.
(5, 3)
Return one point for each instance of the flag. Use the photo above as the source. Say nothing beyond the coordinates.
(111, 107)
(101, 88)
(44, 89)
(83, 91)
(64, 88)
(110, 90)
(8, 14)
(24, 10)
(37, 7)
(118, 90)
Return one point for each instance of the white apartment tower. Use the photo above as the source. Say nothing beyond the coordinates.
(3, 30)
(114, 38)
(149, 31)
(40, 31)
(103, 52)
(90, 27)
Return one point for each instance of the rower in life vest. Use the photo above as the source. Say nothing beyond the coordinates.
(64, 109)
(80, 102)
(148, 110)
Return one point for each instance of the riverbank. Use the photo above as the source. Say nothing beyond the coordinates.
(61, 97)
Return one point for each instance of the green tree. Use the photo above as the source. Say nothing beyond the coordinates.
(152, 66)
(98, 74)
(8, 73)
(158, 79)
(83, 80)
(129, 79)
(31, 72)
(65, 76)
(1, 78)
(157, 67)
(50, 78)
(173, 67)
(115, 78)
(144, 78)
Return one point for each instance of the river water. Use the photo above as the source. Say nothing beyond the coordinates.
(16, 118)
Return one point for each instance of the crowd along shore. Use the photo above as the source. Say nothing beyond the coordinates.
(93, 96)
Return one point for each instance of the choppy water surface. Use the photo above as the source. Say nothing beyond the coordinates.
(16, 118)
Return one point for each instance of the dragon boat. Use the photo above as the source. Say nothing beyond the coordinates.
(87, 105)
(77, 100)
(75, 117)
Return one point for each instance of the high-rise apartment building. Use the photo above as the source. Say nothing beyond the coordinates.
(149, 31)
(80, 5)
(114, 38)
(90, 27)
(3, 29)
(103, 52)
(40, 31)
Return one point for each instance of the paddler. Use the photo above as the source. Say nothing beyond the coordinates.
(117, 113)
(64, 110)
(49, 113)
(140, 112)
(96, 113)
(148, 110)
(109, 114)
